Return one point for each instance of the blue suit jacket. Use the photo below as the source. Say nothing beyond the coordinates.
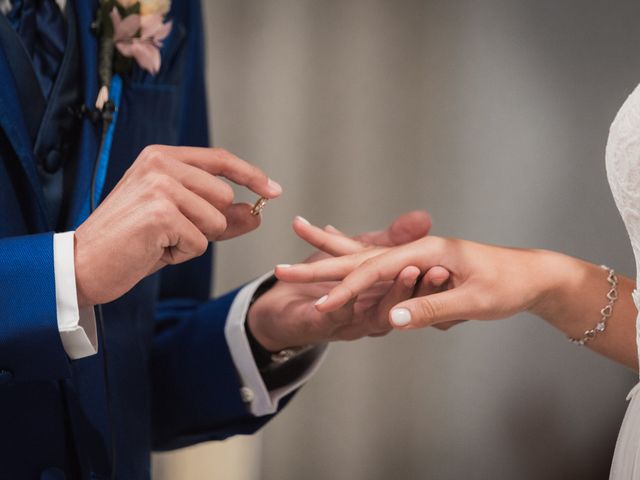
(171, 378)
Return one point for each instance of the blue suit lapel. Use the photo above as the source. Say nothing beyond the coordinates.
(13, 123)
(89, 136)
(85, 13)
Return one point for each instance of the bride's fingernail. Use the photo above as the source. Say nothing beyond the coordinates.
(275, 187)
(303, 220)
(321, 300)
(283, 265)
(400, 317)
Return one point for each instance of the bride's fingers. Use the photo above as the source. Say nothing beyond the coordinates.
(328, 269)
(434, 281)
(423, 254)
(435, 277)
(401, 290)
(447, 306)
(328, 242)
(332, 229)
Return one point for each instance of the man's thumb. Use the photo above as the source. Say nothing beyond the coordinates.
(409, 227)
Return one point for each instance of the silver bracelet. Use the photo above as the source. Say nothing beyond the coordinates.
(606, 312)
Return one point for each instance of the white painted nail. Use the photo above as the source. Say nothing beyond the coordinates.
(275, 187)
(400, 317)
(321, 300)
(303, 220)
(283, 265)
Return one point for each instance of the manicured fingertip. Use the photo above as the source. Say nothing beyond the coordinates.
(400, 317)
(275, 188)
(281, 271)
(321, 300)
(302, 220)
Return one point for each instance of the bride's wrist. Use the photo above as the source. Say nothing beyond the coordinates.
(558, 280)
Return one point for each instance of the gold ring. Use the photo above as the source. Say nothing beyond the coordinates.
(258, 206)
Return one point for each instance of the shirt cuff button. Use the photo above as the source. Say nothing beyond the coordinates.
(246, 394)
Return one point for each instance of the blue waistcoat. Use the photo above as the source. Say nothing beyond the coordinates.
(171, 380)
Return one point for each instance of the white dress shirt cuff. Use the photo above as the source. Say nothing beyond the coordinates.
(254, 391)
(77, 326)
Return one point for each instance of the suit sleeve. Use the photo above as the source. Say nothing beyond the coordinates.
(196, 391)
(30, 345)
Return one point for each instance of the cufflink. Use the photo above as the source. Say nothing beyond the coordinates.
(283, 356)
(246, 394)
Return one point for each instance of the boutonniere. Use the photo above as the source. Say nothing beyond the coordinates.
(129, 31)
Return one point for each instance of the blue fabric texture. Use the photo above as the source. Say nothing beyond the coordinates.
(41, 26)
(167, 379)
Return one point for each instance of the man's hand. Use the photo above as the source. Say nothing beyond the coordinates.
(165, 210)
(286, 316)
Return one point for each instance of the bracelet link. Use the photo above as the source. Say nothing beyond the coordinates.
(606, 311)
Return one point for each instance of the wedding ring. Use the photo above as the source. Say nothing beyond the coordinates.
(258, 206)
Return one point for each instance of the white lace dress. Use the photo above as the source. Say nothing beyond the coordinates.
(623, 171)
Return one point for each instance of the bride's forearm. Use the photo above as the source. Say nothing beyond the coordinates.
(572, 302)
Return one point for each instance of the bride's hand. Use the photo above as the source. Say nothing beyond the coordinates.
(486, 282)
(335, 243)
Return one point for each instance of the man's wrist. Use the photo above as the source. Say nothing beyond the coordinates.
(83, 300)
(259, 315)
(261, 355)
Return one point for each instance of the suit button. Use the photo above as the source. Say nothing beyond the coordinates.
(52, 162)
(5, 376)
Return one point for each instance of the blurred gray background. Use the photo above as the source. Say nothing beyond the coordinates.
(492, 115)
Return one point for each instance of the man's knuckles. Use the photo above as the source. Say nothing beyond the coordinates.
(161, 213)
(200, 246)
(215, 225)
(224, 196)
(150, 159)
(159, 184)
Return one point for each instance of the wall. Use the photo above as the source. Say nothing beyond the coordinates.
(492, 115)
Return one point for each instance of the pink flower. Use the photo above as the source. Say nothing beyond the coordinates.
(140, 37)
